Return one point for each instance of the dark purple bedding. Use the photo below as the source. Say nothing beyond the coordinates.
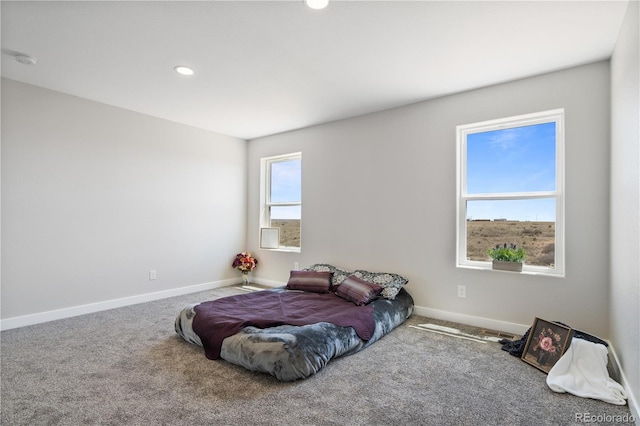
(218, 319)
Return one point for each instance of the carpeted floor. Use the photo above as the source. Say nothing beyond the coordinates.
(128, 367)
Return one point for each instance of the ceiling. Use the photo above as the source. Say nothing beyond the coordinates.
(266, 67)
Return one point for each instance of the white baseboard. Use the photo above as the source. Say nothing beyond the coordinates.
(25, 320)
(487, 323)
(632, 400)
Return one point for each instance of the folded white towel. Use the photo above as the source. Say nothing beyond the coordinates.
(582, 371)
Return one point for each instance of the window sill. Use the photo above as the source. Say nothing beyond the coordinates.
(527, 270)
(284, 249)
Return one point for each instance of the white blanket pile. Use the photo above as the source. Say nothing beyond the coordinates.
(582, 371)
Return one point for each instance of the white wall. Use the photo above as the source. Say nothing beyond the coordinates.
(379, 193)
(625, 200)
(94, 197)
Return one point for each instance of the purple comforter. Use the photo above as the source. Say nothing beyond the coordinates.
(218, 319)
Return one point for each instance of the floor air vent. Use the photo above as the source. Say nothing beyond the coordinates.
(499, 334)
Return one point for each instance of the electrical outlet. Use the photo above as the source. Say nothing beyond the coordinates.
(296, 266)
(152, 275)
(462, 291)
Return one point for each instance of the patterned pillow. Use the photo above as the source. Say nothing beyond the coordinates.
(312, 281)
(391, 283)
(339, 275)
(358, 291)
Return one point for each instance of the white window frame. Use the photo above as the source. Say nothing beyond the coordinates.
(265, 198)
(557, 116)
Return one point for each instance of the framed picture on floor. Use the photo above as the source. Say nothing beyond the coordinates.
(546, 343)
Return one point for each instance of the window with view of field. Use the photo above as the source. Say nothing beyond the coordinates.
(510, 190)
(282, 198)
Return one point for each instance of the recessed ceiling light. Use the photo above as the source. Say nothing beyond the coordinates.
(26, 59)
(181, 69)
(317, 4)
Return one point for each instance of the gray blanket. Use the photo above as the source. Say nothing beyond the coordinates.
(297, 352)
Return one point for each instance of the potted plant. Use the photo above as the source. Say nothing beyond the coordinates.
(507, 257)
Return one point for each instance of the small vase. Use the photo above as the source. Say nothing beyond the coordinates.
(543, 357)
(245, 278)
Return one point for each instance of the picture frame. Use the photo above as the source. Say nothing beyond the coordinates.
(546, 343)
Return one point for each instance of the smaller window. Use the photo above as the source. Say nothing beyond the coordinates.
(281, 201)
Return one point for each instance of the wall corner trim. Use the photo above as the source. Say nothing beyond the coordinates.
(488, 323)
(632, 402)
(41, 317)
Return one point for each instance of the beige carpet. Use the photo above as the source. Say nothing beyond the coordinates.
(128, 367)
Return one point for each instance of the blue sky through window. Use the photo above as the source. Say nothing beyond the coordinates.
(286, 186)
(520, 159)
(537, 210)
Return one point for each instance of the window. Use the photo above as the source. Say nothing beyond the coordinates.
(510, 190)
(281, 211)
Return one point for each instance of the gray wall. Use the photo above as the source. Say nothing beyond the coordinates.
(379, 193)
(93, 197)
(625, 200)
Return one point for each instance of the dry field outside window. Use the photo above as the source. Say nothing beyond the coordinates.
(536, 238)
(289, 231)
